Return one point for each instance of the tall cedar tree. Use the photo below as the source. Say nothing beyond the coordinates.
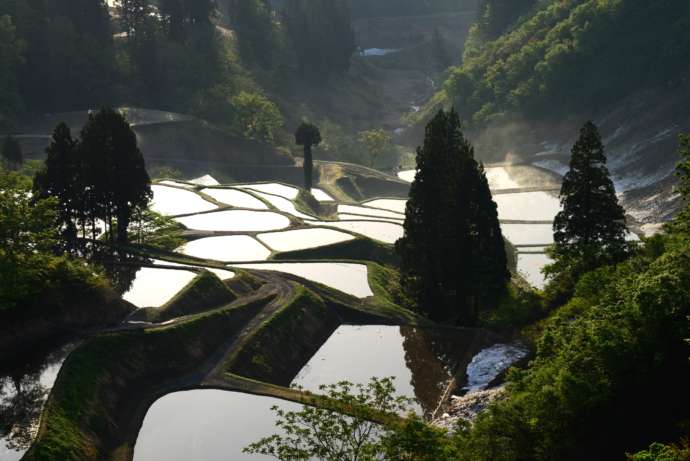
(120, 181)
(60, 178)
(453, 255)
(591, 229)
(308, 135)
(12, 153)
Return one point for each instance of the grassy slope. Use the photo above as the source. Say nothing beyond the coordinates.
(90, 408)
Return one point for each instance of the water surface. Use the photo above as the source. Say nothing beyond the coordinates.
(396, 205)
(229, 248)
(302, 239)
(528, 234)
(284, 191)
(360, 210)
(530, 266)
(528, 206)
(236, 221)
(236, 198)
(206, 425)
(348, 278)
(386, 232)
(155, 287)
(284, 205)
(24, 388)
(170, 201)
(321, 196)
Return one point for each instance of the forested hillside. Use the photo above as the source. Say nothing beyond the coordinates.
(548, 57)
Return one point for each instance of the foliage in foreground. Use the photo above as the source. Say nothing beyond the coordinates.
(31, 275)
(317, 433)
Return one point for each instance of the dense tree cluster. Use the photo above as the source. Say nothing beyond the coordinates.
(66, 53)
(99, 178)
(453, 254)
(322, 35)
(529, 68)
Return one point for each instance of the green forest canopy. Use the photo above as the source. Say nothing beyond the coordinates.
(615, 46)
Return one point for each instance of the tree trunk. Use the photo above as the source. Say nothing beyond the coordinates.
(308, 167)
(123, 219)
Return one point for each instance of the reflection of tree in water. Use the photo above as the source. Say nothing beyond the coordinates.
(22, 395)
(21, 401)
(121, 268)
(434, 357)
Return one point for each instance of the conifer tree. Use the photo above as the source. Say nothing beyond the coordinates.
(308, 135)
(12, 153)
(116, 165)
(60, 178)
(591, 229)
(453, 255)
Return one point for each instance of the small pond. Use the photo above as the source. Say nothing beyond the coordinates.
(284, 191)
(206, 425)
(231, 248)
(236, 221)
(155, 287)
(236, 198)
(170, 201)
(348, 278)
(302, 239)
(382, 231)
(527, 206)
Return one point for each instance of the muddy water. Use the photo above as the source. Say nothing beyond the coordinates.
(24, 389)
(206, 425)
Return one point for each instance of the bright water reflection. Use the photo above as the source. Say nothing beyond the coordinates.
(396, 205)
(155, 287)
(530, 266)
(236, 221)
(348, 278)
(206, 425)
(170, 201)
(236, 198)
(303, 238)
(287, 192)
(382, 231)
(527, 206)
(23, 391)
(231, 248)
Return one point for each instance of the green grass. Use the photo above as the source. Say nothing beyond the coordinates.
(280, 347)
(94, 398)
(205, 291)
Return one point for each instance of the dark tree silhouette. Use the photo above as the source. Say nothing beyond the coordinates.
(120, 181)
(60, 178)
(453, 255)
(308, 135)
(591, 227)
(12, 153)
